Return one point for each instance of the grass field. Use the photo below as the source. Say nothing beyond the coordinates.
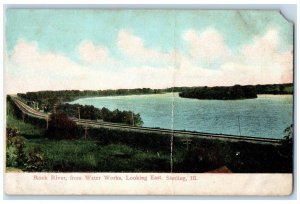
(80, 155)
(25, 129)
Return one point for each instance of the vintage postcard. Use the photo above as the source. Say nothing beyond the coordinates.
(148, 102)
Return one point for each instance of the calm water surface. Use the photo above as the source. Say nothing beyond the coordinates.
(266, 116)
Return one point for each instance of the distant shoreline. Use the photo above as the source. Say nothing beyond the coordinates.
(47, 99)
(160, 90)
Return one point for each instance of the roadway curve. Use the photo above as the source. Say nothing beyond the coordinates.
(176, 133)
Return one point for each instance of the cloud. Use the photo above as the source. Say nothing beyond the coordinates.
(133, 47)
(262, 50)
(28, 58)
(259, 62)
(93, 54)
(263, 61)
(207, 47)
(29, 68)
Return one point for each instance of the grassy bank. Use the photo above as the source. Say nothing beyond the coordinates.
(82, 156)
(25, 128)
(79, 155)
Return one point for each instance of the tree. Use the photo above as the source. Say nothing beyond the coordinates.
(287, 144)
(288, 134)
(61, 127)
(138, 120)
(15, 155)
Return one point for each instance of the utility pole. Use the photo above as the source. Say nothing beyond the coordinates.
(78, 112)
(187, 142)
(132, 119)
(54, 108)
(239, 125)
(47, 119)
(171, 153)
(85, 132)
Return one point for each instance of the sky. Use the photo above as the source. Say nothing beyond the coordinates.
(60, 49)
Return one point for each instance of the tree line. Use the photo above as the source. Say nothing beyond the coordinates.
(92, 113)
(47, 100)
(54, 101)
(233, 92)
(220, 93)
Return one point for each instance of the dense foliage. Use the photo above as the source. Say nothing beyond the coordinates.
(18, 157)
(15, 154)
(61, 127)
(233, 92)
(274, 89)
(46, 100)
(92, 113)
(220, 93)
(52, 101)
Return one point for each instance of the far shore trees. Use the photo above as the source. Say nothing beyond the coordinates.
(220, 93)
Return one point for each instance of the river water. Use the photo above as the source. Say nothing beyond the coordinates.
(266, 116)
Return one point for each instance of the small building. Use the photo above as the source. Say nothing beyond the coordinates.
(223, 169)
